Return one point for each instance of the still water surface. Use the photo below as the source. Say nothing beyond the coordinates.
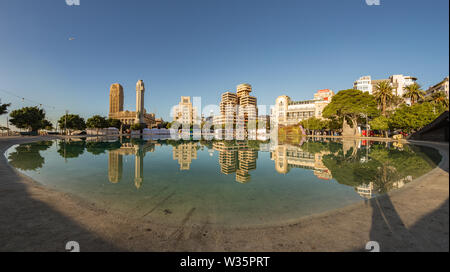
(244, 183)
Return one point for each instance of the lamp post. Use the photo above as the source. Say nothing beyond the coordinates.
(367, 126)
(7, 124)
(65, 123)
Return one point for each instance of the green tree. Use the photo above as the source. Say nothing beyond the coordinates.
(47, 125)
(415, 117)
(114, 123)
(383, 94)
(380, 123)
(440, 98)
(163, 124)
(334, 124)
(4, 108)
(30, 118)
(395, 102)
(97, 122)
(414, 93)
(351, 105)
(313, 124)
(72, 122)
(138, 126)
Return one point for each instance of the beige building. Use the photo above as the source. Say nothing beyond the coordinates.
(237, 108)
(228, 109)
(287, 112)
(185, 113)
(442, 86)
(140, 116)
(184, 154)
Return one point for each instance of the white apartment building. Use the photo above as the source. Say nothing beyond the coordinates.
(398, 82)
(442, 86)
(185, 113)
(363, 84)
(288, 112)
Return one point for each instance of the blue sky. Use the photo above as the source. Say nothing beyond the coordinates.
(205, 47)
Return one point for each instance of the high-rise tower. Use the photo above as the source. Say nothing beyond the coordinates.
(140, 90)
(248, 110)
(238, 108)
(243, 90)
(115, 98)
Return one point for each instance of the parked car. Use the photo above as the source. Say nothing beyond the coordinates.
(29, 133)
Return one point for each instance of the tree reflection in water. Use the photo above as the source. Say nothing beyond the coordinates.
(28, 157)
(71, 148)
(380, 167)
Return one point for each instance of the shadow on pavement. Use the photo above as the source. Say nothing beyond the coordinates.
(27, 224)
(392, 235)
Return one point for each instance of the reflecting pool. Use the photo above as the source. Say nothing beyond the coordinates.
(228, 183)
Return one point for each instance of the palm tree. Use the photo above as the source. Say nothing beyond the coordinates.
(3, 108)
(383, 94)
(440, 97)
(395, 102)
(414, 93)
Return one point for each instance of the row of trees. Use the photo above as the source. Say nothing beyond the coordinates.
(34, 119)
(75, 122)
(382, 111)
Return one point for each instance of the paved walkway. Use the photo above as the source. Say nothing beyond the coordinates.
(36, 218)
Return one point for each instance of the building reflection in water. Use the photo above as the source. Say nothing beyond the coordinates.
(370, 169)
(115, 161)
(288, 156)
(115, 166)
(236, 157)
(368, 174)
(185, 153)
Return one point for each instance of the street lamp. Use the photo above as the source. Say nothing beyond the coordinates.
(65, 123)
